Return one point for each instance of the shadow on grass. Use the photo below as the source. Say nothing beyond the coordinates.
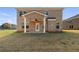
(55, 41)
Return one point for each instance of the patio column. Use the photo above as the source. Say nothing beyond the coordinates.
(44, 30)
(24, 24)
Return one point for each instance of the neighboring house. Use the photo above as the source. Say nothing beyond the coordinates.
(0, 27)
(39, 20)
(71, 23)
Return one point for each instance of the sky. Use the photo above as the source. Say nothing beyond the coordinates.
(8, 14)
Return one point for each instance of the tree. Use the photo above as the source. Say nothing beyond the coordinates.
(6, 26)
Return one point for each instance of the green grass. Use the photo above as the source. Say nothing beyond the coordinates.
(68, 40)
(5, 32)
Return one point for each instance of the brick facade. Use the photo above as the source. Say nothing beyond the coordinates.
(55, 14)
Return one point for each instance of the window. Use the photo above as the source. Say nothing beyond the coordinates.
(71, 26)
(25, 12)
(46, 12)
(20, 13)
(22, 26)
(57, 26)
(35, 19)
(27, 26)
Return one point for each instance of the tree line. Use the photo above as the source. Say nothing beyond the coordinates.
(8, 26)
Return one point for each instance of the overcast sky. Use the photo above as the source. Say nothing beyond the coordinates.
(9, 14)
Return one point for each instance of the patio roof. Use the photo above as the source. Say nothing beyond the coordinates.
(34, 12)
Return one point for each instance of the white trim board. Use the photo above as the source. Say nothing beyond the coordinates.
(35, 12)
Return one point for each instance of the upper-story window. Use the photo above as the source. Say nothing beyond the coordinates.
(71, 26)
(22, 12)
(46, 12)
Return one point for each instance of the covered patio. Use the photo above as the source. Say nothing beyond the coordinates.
(36, 21)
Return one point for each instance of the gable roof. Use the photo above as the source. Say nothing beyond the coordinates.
(35, 12)
(71, 18)
(39, 8)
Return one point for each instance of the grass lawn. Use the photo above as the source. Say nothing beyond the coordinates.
(10, 40)
(6, 32)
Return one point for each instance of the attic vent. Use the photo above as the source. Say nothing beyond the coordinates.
(35, 19)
